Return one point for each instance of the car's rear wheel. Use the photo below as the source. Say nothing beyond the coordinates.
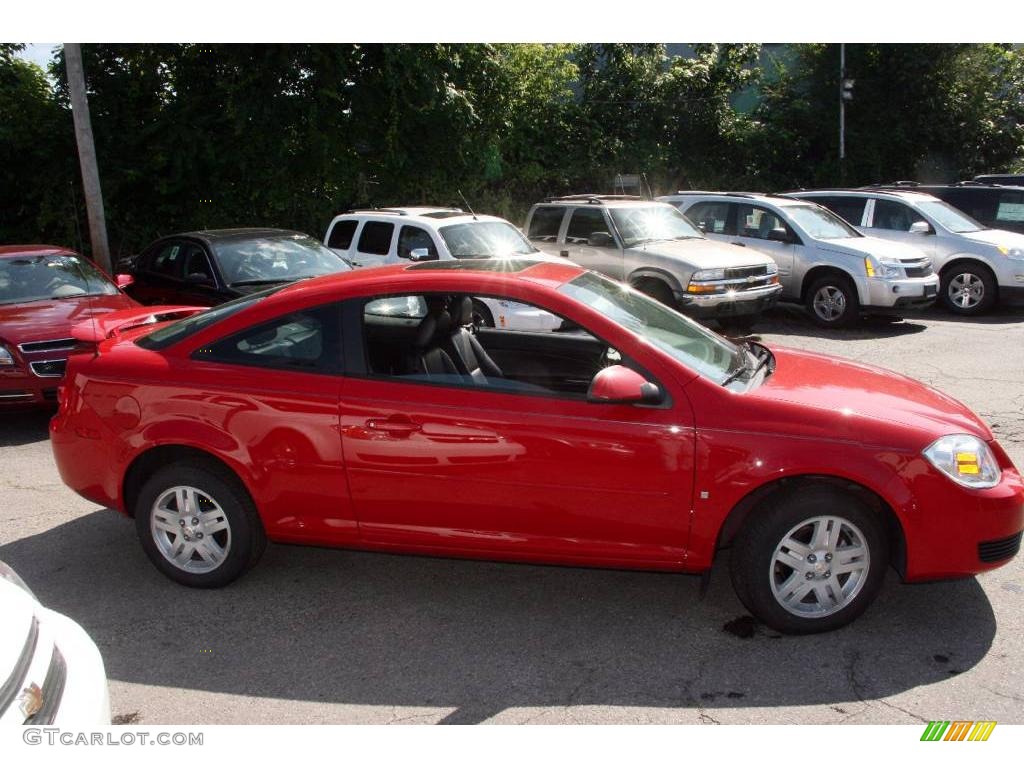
(657, 290)
(968, 289)
(198, 525)
(832, 302)
(810, 561)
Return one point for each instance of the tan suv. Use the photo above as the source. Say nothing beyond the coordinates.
(654, 248)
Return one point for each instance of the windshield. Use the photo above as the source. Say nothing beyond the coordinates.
(819, 223)
(948, 216)
(485, 239)
(691, 344)
(174, 332)
(652, 222)
(41, 278)
(276, 260)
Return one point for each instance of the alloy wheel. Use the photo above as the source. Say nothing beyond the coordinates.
(190, 529)
(829, 303)
(966, 290)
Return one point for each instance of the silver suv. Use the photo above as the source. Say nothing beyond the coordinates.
(826, 264)
(652, 247)
(978, 266)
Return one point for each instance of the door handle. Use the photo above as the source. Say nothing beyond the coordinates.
(737, 242)
(396, 426)
(564, 254)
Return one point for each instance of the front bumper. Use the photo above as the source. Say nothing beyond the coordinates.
(729, 304)
(22, 389)
(899, 293)
(1012, 295)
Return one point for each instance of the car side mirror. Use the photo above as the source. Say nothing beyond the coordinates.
(122, 281)
(920, 228)
(702, 226)
(421, 254)
(198, 279)
(780, 235)
(600, 240)
(618, 384)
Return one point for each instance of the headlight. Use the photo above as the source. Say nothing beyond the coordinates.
(7, 574)
(6, 358)
(882, 268)
(1012, 253)
(965, 459)
(708, 274)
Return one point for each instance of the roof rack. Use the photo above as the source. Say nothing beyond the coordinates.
(591, 199)
(392, 211)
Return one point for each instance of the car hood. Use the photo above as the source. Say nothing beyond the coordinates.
(702, 253)
(17, 608)
(1002, 237)
(44, 320)
(874, 246)
(855, 397)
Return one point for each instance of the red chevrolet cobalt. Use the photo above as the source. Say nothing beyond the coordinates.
(364, 410)
(44, 291)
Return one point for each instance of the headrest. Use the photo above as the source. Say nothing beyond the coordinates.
(461, 311)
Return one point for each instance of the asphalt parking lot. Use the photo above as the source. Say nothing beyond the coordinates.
(326, 636)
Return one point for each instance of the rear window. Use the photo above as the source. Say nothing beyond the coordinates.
(376, 238)
(1011, 207)
(545, 223)
(341, 235)
(175, 332)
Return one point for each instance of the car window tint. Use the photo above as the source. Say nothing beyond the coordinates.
(168, 261)
(1011, 207)
(849, 208)
(713, 218)
(411, 238)
(341, 234)
(376, 237)
(307, 341)
(583, 223)
(195, 261)
(545, 223)
(894, 216)
(756, 222)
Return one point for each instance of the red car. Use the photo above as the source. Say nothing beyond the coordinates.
(44, 291)
(365, 411)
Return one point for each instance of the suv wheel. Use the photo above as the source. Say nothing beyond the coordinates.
(657, 290)
(968, 289)
(832, 302)
(812, 562)
(198, 525)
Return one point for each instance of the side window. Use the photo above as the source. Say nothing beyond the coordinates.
(1011, 207)
(435, 339)
(411, 238)
(196, 262)
(894, 216)
(583, 223)
(376, 237)
(755, 222)
(713, 218)
(545, 224)
(307, 341)
(168, 261)
(342, 233)
(849, 208)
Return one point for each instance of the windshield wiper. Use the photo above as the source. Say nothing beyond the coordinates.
(265, 281)
(751, 371)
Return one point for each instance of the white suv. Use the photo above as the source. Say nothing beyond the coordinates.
(833, 269)
(978, 266)
(378, 236)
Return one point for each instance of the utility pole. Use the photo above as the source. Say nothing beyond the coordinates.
(87, 156)
(845, 95)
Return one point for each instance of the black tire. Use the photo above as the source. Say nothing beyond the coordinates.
(965, 280)
(743, 324)
(756, 576)
(844, 310)
(482, 317)
(216, 487)
(657, 290)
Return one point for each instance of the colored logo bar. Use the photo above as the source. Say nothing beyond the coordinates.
(958, 730)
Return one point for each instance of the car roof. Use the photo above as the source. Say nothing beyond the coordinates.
(733, 197)
(433, 216)
(35, 250)
(899, 194)
(606, 201)
(214, 236)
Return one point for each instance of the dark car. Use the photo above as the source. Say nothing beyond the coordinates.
(213, 266)
(996, 205)
(1013, 179)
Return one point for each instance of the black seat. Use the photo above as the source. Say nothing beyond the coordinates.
(428, 358)
(468, 354)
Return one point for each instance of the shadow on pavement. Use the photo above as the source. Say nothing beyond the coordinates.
(24, 427)
(326, 625)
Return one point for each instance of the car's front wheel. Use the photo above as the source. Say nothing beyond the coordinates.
(832, 302)
(810, 561)
(198, 525)
(968, 289)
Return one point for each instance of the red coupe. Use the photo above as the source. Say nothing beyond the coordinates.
(44, 291)
(364, 410)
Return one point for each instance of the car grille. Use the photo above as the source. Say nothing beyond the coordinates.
(53, 690)
(918, 271)
(1000, 549)
(740, 273)
(52, 368)
(53, 345)
(12, 686)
